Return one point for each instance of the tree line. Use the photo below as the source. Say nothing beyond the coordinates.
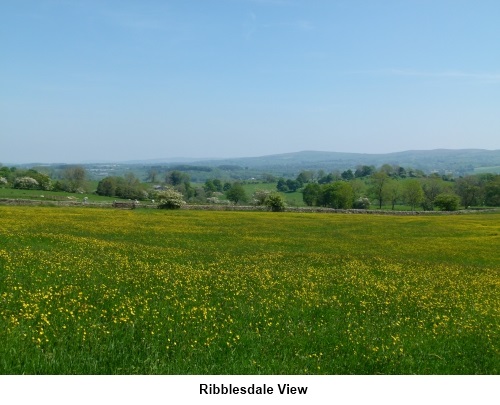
(361, 188)
(72, 179)
(393, 186)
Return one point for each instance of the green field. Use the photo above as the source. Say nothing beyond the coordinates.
(44, 195)
(103, 291)
(490, 169)
(292, 199)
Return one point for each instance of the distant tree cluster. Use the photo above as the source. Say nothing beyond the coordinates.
(73, 180)
(270, 199)
(26, 183)
(30, 179)
(127, 187)
(360, 187)
(213, 186)
(394, 185)
(338, 194)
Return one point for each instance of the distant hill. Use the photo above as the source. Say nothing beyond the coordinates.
(453, 161)
(458, 161)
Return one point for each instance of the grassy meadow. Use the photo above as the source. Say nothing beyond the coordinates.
(45, 195)
(103, 291)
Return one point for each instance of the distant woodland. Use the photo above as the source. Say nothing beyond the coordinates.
(362, 186)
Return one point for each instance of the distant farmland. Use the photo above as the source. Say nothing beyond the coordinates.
(100, 291)
(490, 169)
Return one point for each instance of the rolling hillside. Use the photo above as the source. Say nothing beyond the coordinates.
(459, 161)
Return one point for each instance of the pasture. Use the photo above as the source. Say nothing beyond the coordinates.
(103, 291)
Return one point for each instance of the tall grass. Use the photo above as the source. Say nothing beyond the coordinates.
(95, 291)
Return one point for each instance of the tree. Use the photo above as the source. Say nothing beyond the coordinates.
(393, 192)
(358, 187)
(468, 190)
(152, 173)
(432, 186)
(236, 193)
(337, 195)
(401, 172)
(218, 185)
(413, 193)
(379, 181)
(128, 187)
(387, 169)
(259, 196)
(447, 202)
(268, 178)
(107, 187)
(281, 186)
(43, 180)
(186, 189)
(275, 202)
(199, 195)
(492, 192)
(210, 186)
(293, 185)
(131, 180)
(347, 175)
(311, 194)
(74, 178)
(176, 178)
(304, 177)
(363, 171)
(4, 171)
(170, 199)
(26, 183)
(362, 203)
(325, 179)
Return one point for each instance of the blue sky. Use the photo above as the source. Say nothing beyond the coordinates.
(88, 80)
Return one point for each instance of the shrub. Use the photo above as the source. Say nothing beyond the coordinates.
(170, 199)
(275, 202)
(362, 203)
(213, 200)
(260, 197)
(26, 183)
(127, 188)
(216, 200)
(447, 202)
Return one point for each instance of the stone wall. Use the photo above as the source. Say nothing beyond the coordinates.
(216, 207)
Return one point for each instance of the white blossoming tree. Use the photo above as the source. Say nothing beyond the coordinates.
(26, 183)
(170, 199)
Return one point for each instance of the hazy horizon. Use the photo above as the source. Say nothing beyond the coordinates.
(191, 159)
(115, 81)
